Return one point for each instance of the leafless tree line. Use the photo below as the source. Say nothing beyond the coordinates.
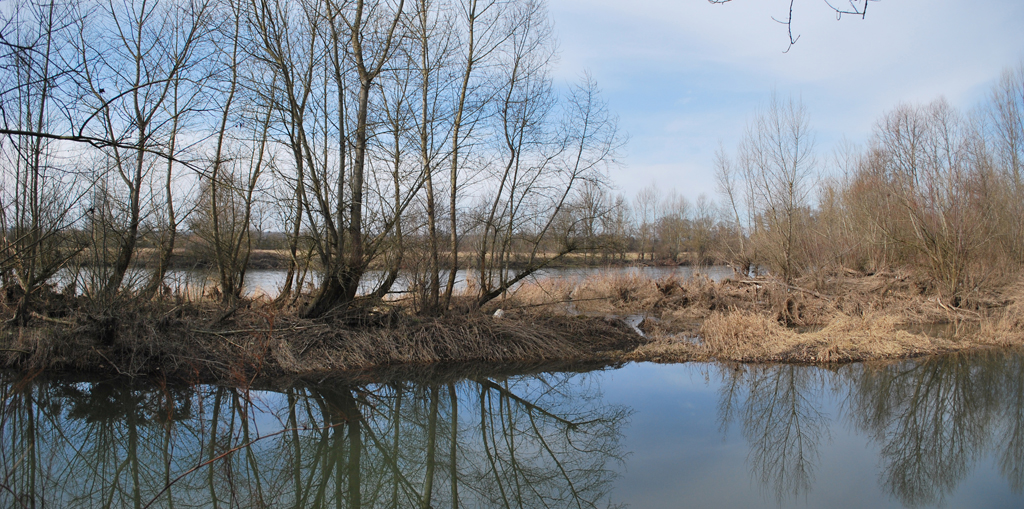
(418, 136)
(934, 189)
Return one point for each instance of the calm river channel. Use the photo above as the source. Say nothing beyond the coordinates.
(945, 431)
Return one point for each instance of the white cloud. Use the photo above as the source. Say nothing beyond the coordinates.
(683, 74)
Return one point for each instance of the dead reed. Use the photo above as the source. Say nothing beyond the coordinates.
(747, 337)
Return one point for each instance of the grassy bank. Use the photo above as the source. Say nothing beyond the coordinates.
(845, 318)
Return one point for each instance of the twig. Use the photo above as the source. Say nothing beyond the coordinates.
(954, 311)
(197, 359)
(810, 292)
(570, 301)
(791, 287)
(250, 331)
(112, 364)
(221, 336)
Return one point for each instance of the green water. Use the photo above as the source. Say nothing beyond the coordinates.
(946, 431)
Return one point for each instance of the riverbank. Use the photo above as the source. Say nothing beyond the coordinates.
(599, 320)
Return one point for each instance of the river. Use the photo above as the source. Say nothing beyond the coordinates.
(943, 431)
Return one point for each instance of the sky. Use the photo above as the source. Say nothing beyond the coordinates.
(685, 76)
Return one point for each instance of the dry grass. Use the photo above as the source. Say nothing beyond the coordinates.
(843, 317)
(549, 296)
(744, 336)
(810, 302)
(1006, 328)
(848, 318)
(470, 339)
(617, 293)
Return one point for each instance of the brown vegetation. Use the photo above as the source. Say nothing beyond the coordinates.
(200, 342)
(845, 318)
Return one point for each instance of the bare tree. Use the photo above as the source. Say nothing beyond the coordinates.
(777, 157)
(674, 225)
(703, 228)
(616, 224)
(935, 174)
(538, 193)
(433, 32)
(520, 118)
(483, 35)
(592, 205)
(37, 206)
(645, 206)
(1007, 125)
(735, 190)
(140, 62)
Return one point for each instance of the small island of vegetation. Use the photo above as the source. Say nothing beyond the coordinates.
(415, 173)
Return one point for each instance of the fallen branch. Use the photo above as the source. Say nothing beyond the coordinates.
(250, 331)
(51, 320)
(758, 282)
(112, 364)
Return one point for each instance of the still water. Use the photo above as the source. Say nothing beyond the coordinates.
(946, 431)
(269, 282)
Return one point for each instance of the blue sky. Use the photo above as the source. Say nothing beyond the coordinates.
(685, 75)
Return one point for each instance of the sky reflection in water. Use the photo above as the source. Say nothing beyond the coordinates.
(945, 431)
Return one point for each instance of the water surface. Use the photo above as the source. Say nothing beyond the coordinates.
(269, 282)
(946, 431)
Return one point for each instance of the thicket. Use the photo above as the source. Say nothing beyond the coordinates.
(934, 190)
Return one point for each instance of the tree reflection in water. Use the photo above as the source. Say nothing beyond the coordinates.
(778, 408)
(541, 441)
(932, 420)
(528, 441)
